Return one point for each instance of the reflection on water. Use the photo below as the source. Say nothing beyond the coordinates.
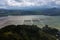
(27, 22)
(40, 20)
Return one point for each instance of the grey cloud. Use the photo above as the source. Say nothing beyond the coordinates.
(18, 0)
(49, 3)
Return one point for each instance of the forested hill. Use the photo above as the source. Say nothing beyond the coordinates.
(49, 12)
(27, 32)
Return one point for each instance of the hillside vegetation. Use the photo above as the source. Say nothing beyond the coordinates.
(25, 32)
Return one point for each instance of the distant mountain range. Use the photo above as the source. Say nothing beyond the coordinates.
(47, 11)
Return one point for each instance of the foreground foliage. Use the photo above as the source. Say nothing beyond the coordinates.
(24, 32)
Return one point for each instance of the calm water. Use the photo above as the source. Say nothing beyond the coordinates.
(40, 20)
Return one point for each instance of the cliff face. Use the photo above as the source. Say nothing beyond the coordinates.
(24, 32)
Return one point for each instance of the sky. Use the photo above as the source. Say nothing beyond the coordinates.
(9, 4)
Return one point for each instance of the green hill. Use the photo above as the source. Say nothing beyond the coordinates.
(24, 32)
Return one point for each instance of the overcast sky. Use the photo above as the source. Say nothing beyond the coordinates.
(29, 3)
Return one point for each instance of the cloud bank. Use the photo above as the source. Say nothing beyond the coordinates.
(29, 3)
